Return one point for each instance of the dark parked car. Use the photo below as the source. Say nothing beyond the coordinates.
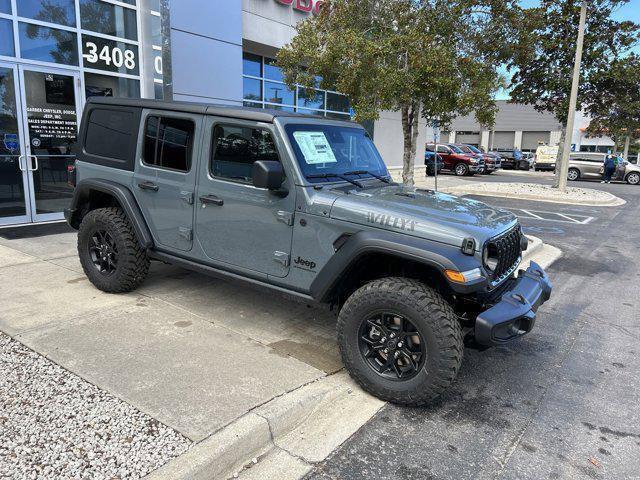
(513, 159)
(430, 162)
(491, 162)
(456, 161)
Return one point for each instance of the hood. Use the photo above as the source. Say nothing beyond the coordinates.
(422, 213)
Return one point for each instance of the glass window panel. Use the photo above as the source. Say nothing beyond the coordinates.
(48, 44)
(109, 132)
(168, 143)
(337, 102)
(278, 93)
(109, 55)
(108, 19)
(251, 64)
(338, 116)
(235, 149)
(156, 30)
(6, 38)
(158, 91)
(62, 12)
(307, 100)
(252, 104)
(252, 89)
(308, 111)
(279, 107)
(5, 6)
(271, 71)
(108, 86)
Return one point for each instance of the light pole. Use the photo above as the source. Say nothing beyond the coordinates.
(561, 176)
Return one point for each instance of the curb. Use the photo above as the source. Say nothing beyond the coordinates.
(541, 253)
(465, 190)
(280, 439)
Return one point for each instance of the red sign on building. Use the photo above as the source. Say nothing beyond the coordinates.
(303, 5)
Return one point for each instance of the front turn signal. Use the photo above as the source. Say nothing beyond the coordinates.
(455, 276)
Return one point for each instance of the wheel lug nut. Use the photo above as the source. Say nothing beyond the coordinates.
(399, 344)
(386, 350)
(383, 339)
(393, 335)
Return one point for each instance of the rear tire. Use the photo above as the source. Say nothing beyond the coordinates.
(573, 174)
(109, 251)
(408, 305)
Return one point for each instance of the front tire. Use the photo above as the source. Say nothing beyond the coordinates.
(400, 340)
(461, 170)
(633, 178)
(573, 174)
(109, 251)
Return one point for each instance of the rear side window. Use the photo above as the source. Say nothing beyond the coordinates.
(110, 133)
(168, 143)
(236, 148)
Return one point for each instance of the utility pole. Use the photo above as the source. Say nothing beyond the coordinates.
(561, 175)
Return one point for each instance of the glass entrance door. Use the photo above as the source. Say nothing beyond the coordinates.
(14, 195)
(50, 106)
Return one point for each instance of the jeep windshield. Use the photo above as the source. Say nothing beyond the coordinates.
(328, 153)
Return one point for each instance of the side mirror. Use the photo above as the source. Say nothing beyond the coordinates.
(268, 174)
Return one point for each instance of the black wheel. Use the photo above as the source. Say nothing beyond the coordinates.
(461, 170)
(573, 174)
(109, 251)
(429, 172)
(400, 340)
(633, 178)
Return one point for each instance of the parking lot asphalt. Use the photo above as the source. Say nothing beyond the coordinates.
(559, 403)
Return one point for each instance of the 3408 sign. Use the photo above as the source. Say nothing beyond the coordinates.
(110, 55)
(304, 5)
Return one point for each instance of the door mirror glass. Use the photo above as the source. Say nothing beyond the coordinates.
(267, 174)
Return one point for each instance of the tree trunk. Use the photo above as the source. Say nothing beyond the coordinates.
(410, 117)
(625, 154)
(563, 133)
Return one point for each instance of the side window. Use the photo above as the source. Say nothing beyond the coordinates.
(236, 148)
(109, 133)
(168, 143)
(442, 149)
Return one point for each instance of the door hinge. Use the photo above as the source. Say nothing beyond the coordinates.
(281, 257)
(186, 233)
(284, 217)
(187, 197)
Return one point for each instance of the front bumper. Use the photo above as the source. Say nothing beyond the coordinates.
(544, 166)
(515, 314)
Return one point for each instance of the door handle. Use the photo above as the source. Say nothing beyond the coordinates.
(211, 200)
(148, 186)
(22, 169)
(35, 162)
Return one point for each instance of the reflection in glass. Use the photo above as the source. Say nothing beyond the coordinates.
(251, 64)
(53, 130)
(310, 100)
(252, 89)
(271, 71)
(61, 12)
(158, 91)
(253, 105)
(337, 102)
(279, 107)
(308, 111)
(5, 6)
(278, 93)
(109, 19)
(12, 200)
(6, 38)
(109, 55)
(338, 116)
(108, 86)
(48, 44)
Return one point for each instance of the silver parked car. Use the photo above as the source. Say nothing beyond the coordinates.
(589, 165)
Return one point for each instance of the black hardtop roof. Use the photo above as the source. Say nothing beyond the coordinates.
(244, 113)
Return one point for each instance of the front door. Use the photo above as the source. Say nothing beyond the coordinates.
(38, 127)
(236, 223)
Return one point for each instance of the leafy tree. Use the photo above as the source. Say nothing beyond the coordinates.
(432, 59)
(542, 64)
(616, 111)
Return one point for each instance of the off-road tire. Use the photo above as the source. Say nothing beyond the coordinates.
(430, 314)
(133, 263)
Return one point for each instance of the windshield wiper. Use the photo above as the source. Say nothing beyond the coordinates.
(367, 172)
(335, 175)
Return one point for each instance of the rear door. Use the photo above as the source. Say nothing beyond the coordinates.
(236, 223)
(445, 153)
(165, 175)
(589, 164)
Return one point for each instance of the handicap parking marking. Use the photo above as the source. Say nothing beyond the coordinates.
(552, 216)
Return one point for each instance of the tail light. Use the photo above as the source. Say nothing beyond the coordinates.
(71, 175)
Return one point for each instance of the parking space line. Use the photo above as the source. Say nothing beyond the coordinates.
(531, 214)
(552, 216)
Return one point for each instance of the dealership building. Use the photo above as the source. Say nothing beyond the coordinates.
(55, 54)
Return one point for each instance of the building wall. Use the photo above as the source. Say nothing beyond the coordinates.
(206, 50)
(389, 139)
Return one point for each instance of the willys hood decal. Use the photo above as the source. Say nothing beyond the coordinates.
(422, 213)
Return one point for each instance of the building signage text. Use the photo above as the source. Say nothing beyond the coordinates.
(304, 5)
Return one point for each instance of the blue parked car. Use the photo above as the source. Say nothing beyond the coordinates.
(429, 162)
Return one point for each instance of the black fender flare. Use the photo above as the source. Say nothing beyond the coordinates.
(123, 196)
(433, 254)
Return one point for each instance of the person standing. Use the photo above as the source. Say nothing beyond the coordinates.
(609, 168)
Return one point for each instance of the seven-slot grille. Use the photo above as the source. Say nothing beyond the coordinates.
(506, 249)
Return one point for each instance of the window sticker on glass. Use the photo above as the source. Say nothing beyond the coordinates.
(315, 147)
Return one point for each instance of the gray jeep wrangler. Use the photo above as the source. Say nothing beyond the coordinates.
(304, 206)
